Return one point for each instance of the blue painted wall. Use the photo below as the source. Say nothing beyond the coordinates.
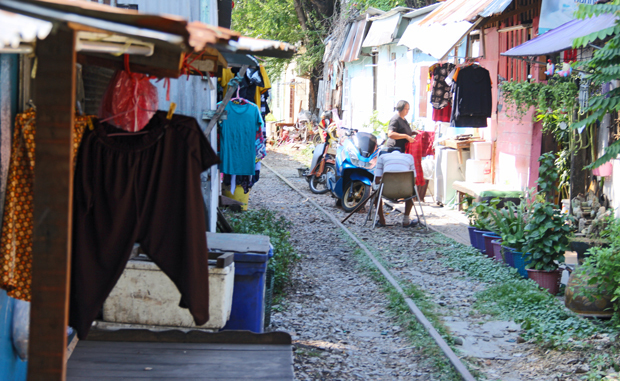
(11, 366)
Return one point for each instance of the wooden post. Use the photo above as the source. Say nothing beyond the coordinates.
(53, 194)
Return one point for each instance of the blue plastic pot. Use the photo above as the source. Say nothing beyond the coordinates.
(507, 251)
(472, 236)
(520, 261)
(480, 240)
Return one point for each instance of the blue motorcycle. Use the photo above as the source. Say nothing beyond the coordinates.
(355, 160)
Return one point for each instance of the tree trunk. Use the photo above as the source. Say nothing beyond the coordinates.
(301, 15)
(313, 94)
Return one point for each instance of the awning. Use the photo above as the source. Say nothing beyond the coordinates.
(561, 38)
(353, 44)
(382, 31)
(435, 39)
(446, 26)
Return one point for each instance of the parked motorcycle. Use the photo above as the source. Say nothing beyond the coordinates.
(323, 162)
(355, 161)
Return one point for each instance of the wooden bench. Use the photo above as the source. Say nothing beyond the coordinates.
(480, 190)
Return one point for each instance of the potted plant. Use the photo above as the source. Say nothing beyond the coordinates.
(594, 286)
(511, 221)
(479, 222)
(547, 238)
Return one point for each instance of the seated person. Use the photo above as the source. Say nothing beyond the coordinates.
(394, 161)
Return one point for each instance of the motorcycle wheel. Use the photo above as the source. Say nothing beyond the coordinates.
(316, 139)
(318, 185)
(352, 197)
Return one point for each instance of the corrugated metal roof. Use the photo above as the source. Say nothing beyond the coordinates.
(172, 31)
(17, 29)
(382, 31)
(561, 38)
(422, 11)
(353, 44)
(465, 10)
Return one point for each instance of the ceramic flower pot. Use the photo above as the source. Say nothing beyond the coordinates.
(549, 280)
(599, 305)
(520, 261)
(488, 246)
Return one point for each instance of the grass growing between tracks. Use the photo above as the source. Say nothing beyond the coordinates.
(542, 317)
(430, 354)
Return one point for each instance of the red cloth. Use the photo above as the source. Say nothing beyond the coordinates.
(442, 114)
(420, 147)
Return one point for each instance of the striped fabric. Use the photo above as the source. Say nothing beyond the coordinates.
(394, 162)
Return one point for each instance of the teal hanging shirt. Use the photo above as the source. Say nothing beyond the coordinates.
(238, 139)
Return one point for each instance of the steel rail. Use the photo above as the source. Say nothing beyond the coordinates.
(445, 348)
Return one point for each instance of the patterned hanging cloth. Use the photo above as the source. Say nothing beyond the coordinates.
(17, 224)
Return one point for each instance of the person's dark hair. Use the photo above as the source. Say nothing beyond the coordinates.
(400, 106)
(326, 115)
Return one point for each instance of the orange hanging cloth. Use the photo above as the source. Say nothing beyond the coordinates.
(17, 225)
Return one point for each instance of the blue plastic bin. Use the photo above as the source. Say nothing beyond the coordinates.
(248, 304)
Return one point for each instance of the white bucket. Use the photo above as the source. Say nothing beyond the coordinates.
(478, 171)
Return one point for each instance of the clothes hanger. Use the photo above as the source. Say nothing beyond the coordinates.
(239, 99)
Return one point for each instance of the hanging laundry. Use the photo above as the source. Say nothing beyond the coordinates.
(441, 95)
(238, 137)
(17, 225)
(442, 114)
(140, 188)
(472, 102)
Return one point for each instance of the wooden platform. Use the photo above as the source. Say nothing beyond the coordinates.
(140, 355)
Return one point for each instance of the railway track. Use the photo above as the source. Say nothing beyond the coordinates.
(456, 363)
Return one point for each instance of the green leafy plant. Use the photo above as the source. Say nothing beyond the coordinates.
(479, 214)
(511, 221)
(548, 175)
(266, 222)
(604, 67)
(603, 264)
(553, 102)
(542, 317)
(547, 236)
(378, 127)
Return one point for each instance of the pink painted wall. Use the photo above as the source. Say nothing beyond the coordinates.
(518, 142)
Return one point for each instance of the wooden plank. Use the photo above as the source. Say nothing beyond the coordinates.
(177, 336)
(238, 243)
(53, 192)
(165, 347)
(122, 360)
(225, 260)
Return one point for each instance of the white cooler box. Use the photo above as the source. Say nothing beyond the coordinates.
(478, 171)
(145, 295)
(481, 150)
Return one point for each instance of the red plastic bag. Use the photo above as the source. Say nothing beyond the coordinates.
(129, 102)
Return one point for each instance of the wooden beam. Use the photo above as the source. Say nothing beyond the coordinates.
(163, 63)
(53, 191)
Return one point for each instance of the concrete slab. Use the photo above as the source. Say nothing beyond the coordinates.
(491, 340)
